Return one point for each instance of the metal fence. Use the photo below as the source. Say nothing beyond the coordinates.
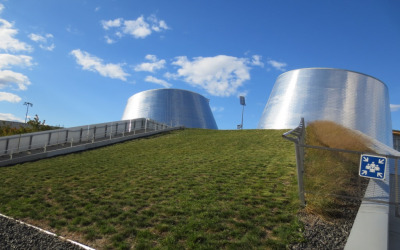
(339, 177)
(19, 145)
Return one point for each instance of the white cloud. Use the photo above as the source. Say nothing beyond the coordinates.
(277, 65)
(109, 40)
(9, 97)
(157, 25)
(158, 81)
(10, 117)
(217, 109)
(138, 28)
(95, 64)
(394, 107)
(7, 40)
(1, 8)
(242, 93)
(111, 23)
(49, 47)
(8, 77)
(44, 41)
(256, 61)
(151, 66)
(7, 60)
(97, 9)
(37, 38)
(220, 75)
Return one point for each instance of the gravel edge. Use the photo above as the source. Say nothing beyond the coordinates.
(17, 235)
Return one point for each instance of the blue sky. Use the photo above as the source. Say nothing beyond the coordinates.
(78, 62)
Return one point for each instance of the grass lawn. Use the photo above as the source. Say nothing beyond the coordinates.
(196, 189)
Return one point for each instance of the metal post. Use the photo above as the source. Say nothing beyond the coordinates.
(105, 131)
(30, 142)
(396, 176)
(7, 142)
(145, 126)
(72, 141)
(49, 139)
(19, 141)
(243, 103)
(241, 125)
(300, 172)
(297, 136)
(66, 136)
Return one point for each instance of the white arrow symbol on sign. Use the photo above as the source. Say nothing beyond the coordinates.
(379, 175)
(365, 159)
(381, 161)
(364, 172)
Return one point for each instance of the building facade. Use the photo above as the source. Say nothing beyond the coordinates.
(174, 107)
(349, 98)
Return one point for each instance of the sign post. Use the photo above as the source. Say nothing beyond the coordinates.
(372, 166)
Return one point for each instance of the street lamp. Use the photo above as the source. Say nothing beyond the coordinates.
(243, 103)
(27, 108)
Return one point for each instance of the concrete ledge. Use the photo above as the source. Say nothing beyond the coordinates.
(82, 147)
(370, 228)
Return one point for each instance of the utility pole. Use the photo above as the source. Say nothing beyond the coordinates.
(27, 108)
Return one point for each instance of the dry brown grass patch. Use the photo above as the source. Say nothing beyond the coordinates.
(330, 174)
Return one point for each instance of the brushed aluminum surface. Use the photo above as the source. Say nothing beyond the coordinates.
(352, 99)
(174, 107)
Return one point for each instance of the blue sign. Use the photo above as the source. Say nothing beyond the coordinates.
(373, 166)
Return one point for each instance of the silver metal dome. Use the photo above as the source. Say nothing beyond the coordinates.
(352, 99)
(174, 107)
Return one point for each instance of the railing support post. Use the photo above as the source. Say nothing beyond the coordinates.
(300, 172)
(297, 136)
(396, 176)
(6, 149)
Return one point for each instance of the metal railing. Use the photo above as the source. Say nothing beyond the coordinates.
(297, 136)
(375, 195)
(39, 142)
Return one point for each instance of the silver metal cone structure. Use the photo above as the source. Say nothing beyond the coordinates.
(352, 99)
(174, 107)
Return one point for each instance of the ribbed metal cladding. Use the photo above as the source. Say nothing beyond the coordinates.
(349, 98)
(174, 107)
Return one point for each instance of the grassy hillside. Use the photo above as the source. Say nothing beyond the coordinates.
(186, 189)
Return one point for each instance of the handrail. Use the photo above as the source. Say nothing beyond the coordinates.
(10, 145)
